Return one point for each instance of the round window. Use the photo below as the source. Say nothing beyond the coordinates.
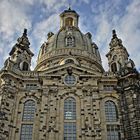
(70, 80)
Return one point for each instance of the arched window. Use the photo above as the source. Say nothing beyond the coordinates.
(28, 120)
(69, 21)
(111, 116)
(70, 109)
(110, 111)
(70, 119)
(29, 111)
(114, 67)
(25, 66)
(70, 41)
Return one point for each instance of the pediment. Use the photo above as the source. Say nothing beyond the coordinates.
(78, 70)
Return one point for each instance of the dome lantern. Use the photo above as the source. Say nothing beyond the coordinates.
(69, 18)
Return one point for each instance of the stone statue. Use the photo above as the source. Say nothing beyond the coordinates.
(24, 39)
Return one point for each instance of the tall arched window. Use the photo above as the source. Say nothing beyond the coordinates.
(28, 120)
(70, 119)
(29, 110)
(110, 111)
(70, 109)
(70, 41)
(111, 116)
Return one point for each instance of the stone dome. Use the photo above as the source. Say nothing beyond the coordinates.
(68, 42)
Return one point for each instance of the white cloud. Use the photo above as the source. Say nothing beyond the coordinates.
(130, 30)
(48, 25)
(12, 20)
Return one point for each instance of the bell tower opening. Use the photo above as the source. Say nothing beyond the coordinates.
(25, 66)
(69, 21)
(114, 67)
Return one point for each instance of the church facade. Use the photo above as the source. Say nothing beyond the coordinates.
(69, 95)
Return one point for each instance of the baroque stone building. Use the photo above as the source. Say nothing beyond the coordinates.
(69, 95)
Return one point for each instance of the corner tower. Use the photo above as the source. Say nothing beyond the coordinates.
(118, 55)
(20, 55)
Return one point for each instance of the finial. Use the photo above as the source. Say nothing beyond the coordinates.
(25, 32)
(69, 7)
(114, 34)
(23, 40)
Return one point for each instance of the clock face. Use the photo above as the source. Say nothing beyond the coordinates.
(70, 80)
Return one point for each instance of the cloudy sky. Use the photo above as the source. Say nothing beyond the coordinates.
(96, 16)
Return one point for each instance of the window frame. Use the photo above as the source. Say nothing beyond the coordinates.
(70, 80)
(111, 113)
(70, 41)
(70, 106)
(113, 132)
(70, 132)
(26, 132)
(29, 111)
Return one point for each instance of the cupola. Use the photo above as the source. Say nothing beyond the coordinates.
(69, 18)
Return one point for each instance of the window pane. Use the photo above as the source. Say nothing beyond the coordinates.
(110, 111)
(69, 131)
(26, 132)
(108, 87)
(112, 132)
(31, 86)
(70, 41)
(70, 79)
(29, 110)
(70, 109)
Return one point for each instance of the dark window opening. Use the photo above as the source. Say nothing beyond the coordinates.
(25, 66)
(69, 61)
(69, 21)
(114, 67)
(70, 41)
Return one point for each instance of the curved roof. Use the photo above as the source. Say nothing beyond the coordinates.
(68, 40)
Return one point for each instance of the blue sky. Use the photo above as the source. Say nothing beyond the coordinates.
(96, 16)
